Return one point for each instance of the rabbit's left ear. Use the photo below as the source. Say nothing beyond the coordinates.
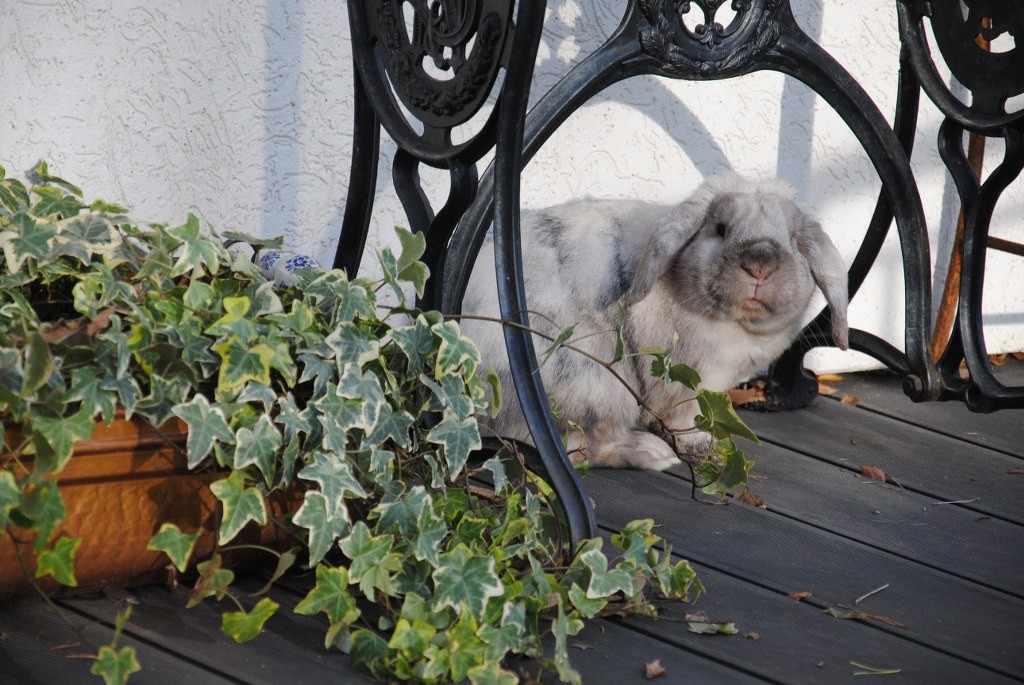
(829, 273)
(665, 243)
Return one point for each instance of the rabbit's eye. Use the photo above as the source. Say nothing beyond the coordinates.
(720, 229)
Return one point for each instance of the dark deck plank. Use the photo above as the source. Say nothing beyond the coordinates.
(160, 617)
(880, 392)
(38, 646)
(917, 458)
(952, 570)
(782, 555)
(949, 538)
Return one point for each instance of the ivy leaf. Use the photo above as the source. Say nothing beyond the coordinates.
(457, 353)
(115, 666)
(491, 673)
(292, 419)
(719, 417)
(563, 336)
(399, 512)
(61, 433)
(356, 384)
(206, 425)
(416, 342)
(372, 560)
(175, 544)
(241, 363)
(242, 626)
(258, 445)
(681, 373)
(59, 562)
(195, 251)
(165, 393)
(588, 607)
(39, 364)
(235, 321)
(335, 477)
(732, 473)
(330, 595)
(458, 438)
(562, 627)
(10, 496)
(42, 171)
(465, 649)
(463, 579)
(412, 638)
(44, 507)
(213, 581)
(604, 583)
(431, 532)
(30, 238)
(508, 636)
(409, 267)
(241, 505)
(13, 194)
(86, 388)
(83, 236)
(369, 650)
(392, 425)
(325, 523)
(353, 345)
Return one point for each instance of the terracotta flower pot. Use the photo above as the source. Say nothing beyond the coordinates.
(119, 487)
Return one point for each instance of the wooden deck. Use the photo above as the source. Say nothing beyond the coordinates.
(947, 543)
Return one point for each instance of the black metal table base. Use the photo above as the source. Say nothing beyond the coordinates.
(472, 41)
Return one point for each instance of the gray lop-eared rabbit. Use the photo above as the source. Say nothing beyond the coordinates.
(723, 278)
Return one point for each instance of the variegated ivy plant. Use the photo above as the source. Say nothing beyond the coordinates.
(315, 388)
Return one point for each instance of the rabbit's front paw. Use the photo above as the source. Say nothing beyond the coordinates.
(649, 452)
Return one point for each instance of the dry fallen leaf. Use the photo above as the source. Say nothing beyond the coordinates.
(750, 497)
(845, 612)
(799, 595)
(827, 390)
(741, 396)
(653, 669)
(830, 377)
(850, 400)
(873, 472)
(698, 622)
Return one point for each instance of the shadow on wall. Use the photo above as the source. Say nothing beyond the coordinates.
(796, 130)
(283, 29)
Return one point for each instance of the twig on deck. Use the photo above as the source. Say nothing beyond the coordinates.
(959, 501)
(865, 596)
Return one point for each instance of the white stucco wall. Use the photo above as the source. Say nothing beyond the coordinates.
(240, 112)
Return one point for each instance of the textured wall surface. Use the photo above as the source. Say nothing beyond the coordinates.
(240, 112)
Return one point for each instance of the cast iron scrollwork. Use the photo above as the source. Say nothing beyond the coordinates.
(440, 58)
(709, 49)
(960, 33)
(964, 31)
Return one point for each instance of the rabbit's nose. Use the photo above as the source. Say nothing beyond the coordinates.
(760, 260)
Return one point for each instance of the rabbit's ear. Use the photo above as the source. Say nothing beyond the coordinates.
(666, 241)
(829, 273)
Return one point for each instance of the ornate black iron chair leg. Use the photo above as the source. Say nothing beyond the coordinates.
(362, 182)
(798, 56)
(579, 517)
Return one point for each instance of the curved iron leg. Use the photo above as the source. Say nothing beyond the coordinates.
(579, 516)
(984, 392)
(362, 183)
(801, 58)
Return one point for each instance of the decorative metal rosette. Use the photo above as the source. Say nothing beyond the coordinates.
(439, 58)
(691, 41)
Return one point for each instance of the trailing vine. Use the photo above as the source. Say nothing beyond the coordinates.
(434, 561)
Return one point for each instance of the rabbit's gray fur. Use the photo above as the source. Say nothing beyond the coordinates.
(675, 282)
